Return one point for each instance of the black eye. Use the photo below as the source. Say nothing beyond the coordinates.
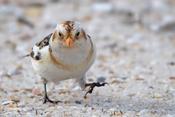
(60, 34)
(77, 34)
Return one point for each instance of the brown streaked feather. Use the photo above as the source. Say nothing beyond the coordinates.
(68, 25)
(54, 35)
(44, 42)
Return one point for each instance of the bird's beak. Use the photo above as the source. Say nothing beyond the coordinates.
(69, 42)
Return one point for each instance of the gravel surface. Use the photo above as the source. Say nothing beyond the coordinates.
(135, 42)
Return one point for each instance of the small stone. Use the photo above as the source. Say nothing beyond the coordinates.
(36, 91)
(101, 79)
(66, 102)
(138, 78)
(62, 91)
(157, 95)
(14, 98)
(11, 44)
(78, 102)
(23, 20)
(7, 102)
(172, 63)
(12, 105)
(172, 78)
(115, 81)
(33, 11)
(117, 114)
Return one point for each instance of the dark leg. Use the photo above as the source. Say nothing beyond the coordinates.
(92, 86)
(46, 98)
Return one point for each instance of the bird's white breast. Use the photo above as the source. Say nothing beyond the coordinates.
(74, 62)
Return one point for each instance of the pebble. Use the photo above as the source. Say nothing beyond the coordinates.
(167, 24)
(78, 102)
(36, 91)
(7, 102)
(14, 98)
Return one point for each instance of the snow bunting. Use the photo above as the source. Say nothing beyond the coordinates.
(66, 53)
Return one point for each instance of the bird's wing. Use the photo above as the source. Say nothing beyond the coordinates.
(44, 42)
(39, 46)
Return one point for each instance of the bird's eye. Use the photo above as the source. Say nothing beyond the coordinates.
(60, 34)
(77, 34)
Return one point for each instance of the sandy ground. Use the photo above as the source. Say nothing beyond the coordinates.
(135, 42)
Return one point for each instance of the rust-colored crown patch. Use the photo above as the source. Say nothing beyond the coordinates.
(68, 25)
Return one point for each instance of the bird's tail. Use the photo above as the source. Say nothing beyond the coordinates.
(24, 56)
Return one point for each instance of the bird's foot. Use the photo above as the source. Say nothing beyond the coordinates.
(46, 99)
(92, 86)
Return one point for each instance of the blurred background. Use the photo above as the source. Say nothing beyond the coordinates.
(135, 42)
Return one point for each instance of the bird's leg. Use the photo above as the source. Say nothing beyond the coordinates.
(46, 98)
(92, 86)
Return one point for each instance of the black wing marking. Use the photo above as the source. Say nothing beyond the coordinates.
(44, 42)
(41, 44)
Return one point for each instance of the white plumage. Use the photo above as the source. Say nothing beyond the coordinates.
(66, 53)
(75, 62)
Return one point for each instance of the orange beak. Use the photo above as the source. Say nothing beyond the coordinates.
(69, 42)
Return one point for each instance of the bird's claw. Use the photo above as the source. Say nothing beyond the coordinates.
(92, 86)
(46, 99)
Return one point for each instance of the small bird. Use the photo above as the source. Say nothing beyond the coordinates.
(67, 53)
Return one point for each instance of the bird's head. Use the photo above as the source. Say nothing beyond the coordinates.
(68, 34)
